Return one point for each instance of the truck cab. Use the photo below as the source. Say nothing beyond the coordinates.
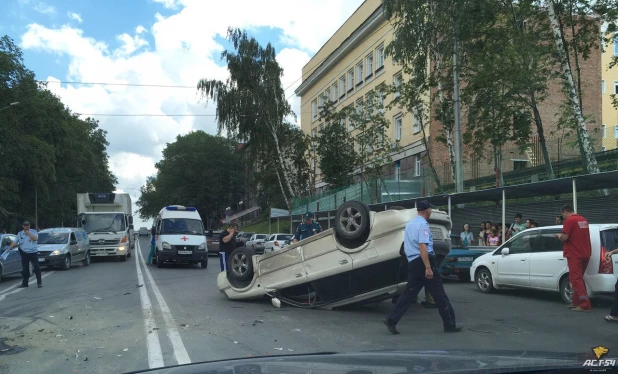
(180, 237)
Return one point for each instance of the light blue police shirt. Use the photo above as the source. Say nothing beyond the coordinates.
(24, 242)
(417, 232)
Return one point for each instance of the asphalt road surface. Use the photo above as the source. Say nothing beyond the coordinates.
(97, 320)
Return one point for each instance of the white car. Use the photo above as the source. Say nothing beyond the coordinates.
(533, 259)
(358, 261)
(276, 241)
(256, 242)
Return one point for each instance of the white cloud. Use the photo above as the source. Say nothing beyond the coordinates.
(170, 4)
(75, 16)
(44, 8)
(181, 50)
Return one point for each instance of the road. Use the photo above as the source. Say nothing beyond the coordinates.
(97, 320)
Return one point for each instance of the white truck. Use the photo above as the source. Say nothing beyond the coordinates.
(108, 219)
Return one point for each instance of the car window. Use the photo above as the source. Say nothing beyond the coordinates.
(73, 237)
(272, 237)
(609, 239)
(261, 236)
(284, 237)
(547, 242)
(5, 241)
(523, 243)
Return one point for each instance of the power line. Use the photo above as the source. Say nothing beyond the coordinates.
(121, 84)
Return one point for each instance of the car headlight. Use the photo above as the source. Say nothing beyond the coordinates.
(202, 247)
(122, 249)
(55, 253)
(166, 246)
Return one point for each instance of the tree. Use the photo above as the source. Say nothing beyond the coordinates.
(335, 148)
(251, 103)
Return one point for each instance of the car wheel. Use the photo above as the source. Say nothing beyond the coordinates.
(67, 263)
(159, 262)
(241, 265)
(87, 259)
(204, 264)
(352, 220)
(464, 277)
(129, 253)
(484, 281)
(566, 291)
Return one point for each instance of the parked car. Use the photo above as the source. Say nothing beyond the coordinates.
(212, 241)
(533, 259)
(357, 261)
(10, 261)
(242, 238)
(144, 231)
(275, 242)
(62, 247)
(459, 259)
(256, 243)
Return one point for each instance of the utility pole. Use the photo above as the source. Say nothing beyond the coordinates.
(36, 208)
(457, 130)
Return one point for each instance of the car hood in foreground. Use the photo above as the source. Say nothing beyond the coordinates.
(431, 361)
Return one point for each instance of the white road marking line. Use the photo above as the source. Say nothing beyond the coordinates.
(32, 282)
(180, 353)
(153, 345)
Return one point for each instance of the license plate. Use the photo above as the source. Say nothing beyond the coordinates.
(41, 259)
(465, 259)
(185, 252)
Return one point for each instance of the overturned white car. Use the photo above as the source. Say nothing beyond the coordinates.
(356, 262)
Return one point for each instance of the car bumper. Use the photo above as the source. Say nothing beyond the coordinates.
(195, 256)
(48, 260)
(456, 269)
(107, 251)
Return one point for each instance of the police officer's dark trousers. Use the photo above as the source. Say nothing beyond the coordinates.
(25, 269)
(416, 281)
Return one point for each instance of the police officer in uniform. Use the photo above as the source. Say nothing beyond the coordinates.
(423, 271)
(305, 230)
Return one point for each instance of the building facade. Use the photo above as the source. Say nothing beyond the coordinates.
(609, 86)
(352, 64)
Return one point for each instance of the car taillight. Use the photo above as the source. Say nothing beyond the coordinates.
(124, 240)
(605, 266)
(276, 243)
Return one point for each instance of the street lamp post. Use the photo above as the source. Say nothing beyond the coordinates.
(10, 105)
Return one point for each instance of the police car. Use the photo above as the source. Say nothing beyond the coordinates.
(357, 261)
(180, 237)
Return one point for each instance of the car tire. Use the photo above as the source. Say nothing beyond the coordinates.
(87, 259)
(123, 258)
(464, 277)
(67, 263)
(566, 291)
(159, 262)
(352, 220)
(129, 253)
(241, 264)
(484, 280)
(204, 264)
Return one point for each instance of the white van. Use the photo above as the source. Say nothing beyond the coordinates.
(180, 237)
(533, 259)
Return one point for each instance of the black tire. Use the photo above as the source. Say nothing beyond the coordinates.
(241, 264)
(159, 263)
(463, 277)
(204, 264)
(352, 220)
(86, 261)
(566, 291)
(123, 258)
(67, 263)
(129, 254)
(484, 280)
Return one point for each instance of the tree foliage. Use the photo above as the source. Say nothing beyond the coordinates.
(46, 150)
(197, 170)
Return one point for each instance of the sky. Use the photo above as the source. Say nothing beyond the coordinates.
(157, 42)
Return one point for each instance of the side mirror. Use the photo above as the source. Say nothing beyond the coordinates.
(73, 242)
(83, 222)
(131, 227)
(131, 220)
(505, 251)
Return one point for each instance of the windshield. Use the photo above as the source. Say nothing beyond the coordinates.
(260, 236)
(182, 226)
(456, 242)
(53, 238)
(284, 237)
(107, 222)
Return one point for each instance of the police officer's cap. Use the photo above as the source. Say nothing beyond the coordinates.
(26, 223)
(424, 205)
(308, 215)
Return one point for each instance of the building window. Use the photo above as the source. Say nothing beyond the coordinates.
(616, 131)
(380, 58)
(616, 46)
(398, 127)
(616, 87)
(314, 110)
(604, 130)
(350, 80)
(603, 149)
(342, 87)
(350, 121)
(602, 86)
(380, 101)
(320, 129)
(416, 124)
(397, 170)
(417, 165)
(520, 164)
(359, 108)
(314, 137)
(342, 120)
(369, 98)
(369, 66)
(380, 138)
(335, 92)
(327, 95)
(397, 81)
(359, 73)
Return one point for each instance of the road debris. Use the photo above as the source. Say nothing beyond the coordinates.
(184, 325)
(98, 298)
(125, 350)
(297, 330)
(71, 317)
(86, 359)
(127, 293)
(235, 342)
(41, 330)
(258, 321)
(58, 336)
(139, 285)
(279, 349)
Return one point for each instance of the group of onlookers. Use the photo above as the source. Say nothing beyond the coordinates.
(490, 234)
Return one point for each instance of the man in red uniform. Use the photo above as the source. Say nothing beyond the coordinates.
(577, 249)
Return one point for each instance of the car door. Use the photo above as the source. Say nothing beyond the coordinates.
(268, 246)
(546, 261)
(328, 268)
(12, 259)
(73, 247)
(513, 269)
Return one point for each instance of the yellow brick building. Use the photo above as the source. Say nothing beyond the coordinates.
(609, 86)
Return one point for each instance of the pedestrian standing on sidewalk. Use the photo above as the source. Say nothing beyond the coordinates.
(422, 272)
(613, 313)
(153, 240)
(577, 249)
(26, 240)
(227, 244)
